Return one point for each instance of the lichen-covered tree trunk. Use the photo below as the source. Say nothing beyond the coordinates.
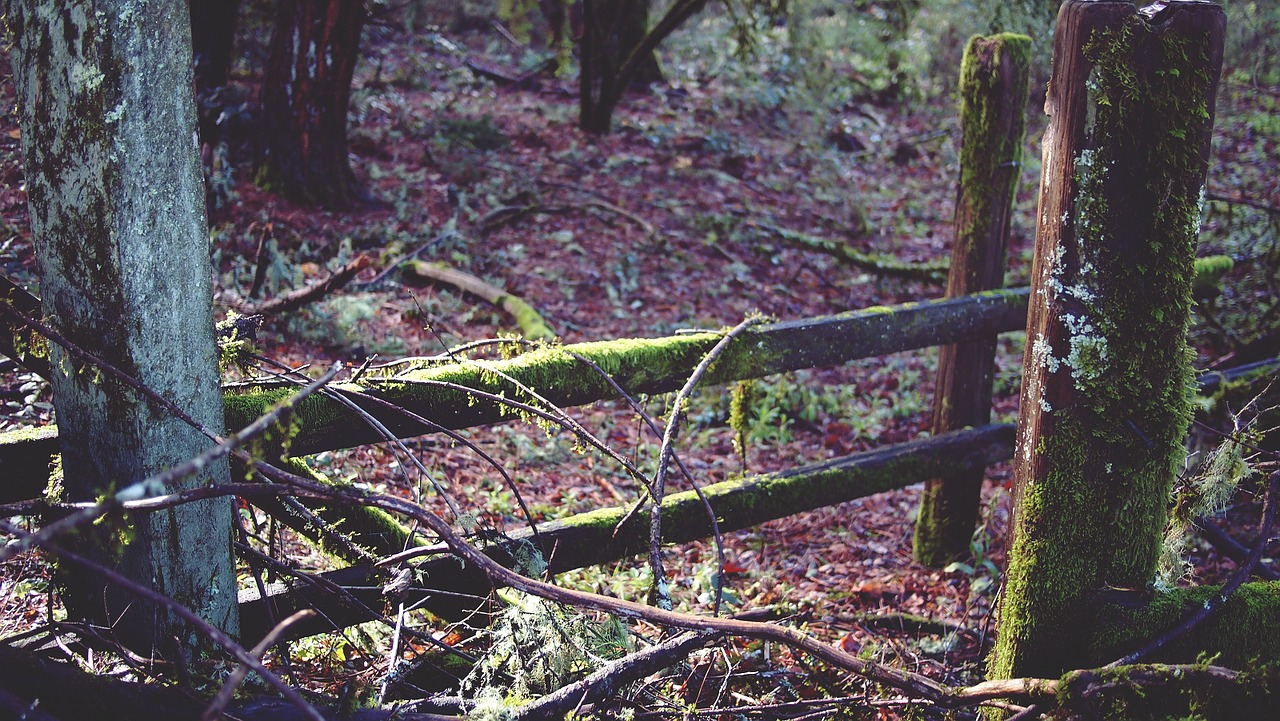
(305, 93)
(993, 101)
(1105, 396)
(117, 212)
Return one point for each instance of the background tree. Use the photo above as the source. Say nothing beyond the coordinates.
(117, 214)
(306, 89)
(213, 30)
(617, 49)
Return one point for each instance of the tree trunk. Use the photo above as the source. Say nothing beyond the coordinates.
(213, 31)
(1105, 397)
(117, 212)
(305, 94)
(612, 32)
(993, 101)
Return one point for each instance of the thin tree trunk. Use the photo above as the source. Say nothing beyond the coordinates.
(1105, 396)
(993, 93)
(117, 211)
(617, 48)
(305, 94)
(213, 31)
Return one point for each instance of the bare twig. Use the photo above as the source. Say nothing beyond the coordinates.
(661, 593)
(706, 502)
(223, 697)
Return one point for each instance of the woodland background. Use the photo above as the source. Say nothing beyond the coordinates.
(836, 122)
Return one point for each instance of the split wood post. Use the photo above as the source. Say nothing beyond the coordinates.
(1107, 385)
(993, 101)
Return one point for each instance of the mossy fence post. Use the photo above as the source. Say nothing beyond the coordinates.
(1107, 384)
(993, 101)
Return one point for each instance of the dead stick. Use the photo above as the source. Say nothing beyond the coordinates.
(308, 294)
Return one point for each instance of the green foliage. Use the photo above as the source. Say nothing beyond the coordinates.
(983, 573)
(1207, 494)
(537, 646)
(344, 323)
(1252, 53)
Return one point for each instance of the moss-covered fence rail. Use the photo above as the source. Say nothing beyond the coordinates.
(445, 395)
(589, 538)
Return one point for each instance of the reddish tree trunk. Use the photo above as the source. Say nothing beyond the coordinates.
(305, 94)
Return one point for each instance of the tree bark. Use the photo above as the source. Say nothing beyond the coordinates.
(1105, 396)
(305, 94)
(117, 212)
(993, 101)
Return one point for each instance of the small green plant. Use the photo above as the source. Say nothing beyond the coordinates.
(537, 646)
(983, 573)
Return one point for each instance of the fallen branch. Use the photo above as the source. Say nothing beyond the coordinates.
(590, 538)
(506, 214)
(1256, 205)
(917, 685)
(609, 678)
(935, 272)
(531, 324)
(313, 292)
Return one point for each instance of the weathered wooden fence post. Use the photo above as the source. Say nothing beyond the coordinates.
(993, 101)
(1105, 396)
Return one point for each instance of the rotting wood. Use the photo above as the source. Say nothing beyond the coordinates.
(532, 326)
(993, 99)
(590, 539)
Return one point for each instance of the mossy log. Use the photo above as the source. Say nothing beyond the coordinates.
(993, 117)
(530, 322)
(589, 538)
(443, 395)
(1105, 396)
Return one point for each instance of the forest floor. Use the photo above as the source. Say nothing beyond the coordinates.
(668, 223)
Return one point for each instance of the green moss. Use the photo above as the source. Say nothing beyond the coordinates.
(532, 326)
(1209, 272)
(1245, 630)
(989, 151)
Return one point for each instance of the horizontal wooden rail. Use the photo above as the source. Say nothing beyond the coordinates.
(442, 394)
(589, 539)
(659, 365)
